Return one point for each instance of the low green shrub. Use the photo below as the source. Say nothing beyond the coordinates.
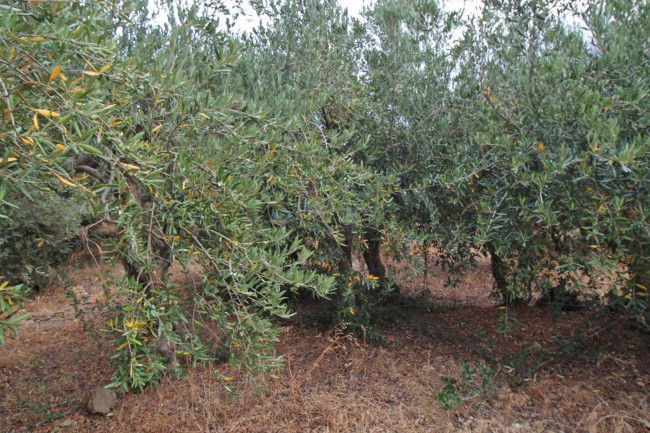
(37, 234)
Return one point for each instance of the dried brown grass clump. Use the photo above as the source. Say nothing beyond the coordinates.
(332, 383)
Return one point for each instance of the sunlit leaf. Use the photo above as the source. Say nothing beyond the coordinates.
(46, 113)
(65, 181)
(55, 73)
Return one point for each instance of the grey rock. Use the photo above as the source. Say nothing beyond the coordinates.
(101, 401)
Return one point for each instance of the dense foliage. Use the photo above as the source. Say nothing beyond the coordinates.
(268, 160)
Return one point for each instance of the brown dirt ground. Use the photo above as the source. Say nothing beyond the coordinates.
(581, 373)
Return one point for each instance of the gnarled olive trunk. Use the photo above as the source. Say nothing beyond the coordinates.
(372, 257)
(158, 250)
(498, 273)
(345, 262)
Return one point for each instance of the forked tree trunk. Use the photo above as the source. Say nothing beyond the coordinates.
(372, 257)
(376, 267)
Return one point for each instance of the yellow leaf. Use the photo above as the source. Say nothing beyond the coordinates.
(157, 128)
(55, 73)
(204, 115)
(352, 311)
(40, 244)
(3, 285)
(33, 38)
(91, 73)
(122, 346)
(227, 378)
(35, 124)
(64, 181)
(122, 100)
(176, 238)
(46, 113)
(642, 287)
(502, 308)
(12, 54)
(131, 166)
(63, 77)
(105, 68)
(593, 247)
(60, 146)
(28, 141)
(89, 64)
(272, 151)
(77, 90)
(540, 147)
(8, 160)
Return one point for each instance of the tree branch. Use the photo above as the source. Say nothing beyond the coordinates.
(108, 189)
(5, 94)
(499, 113)
(91, 171)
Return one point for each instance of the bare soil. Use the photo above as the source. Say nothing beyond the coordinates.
(575, 372)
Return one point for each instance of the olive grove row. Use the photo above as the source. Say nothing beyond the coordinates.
(269, 159)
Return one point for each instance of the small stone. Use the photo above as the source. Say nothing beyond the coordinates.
(101, 401)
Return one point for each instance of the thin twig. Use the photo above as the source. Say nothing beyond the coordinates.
(5, 95)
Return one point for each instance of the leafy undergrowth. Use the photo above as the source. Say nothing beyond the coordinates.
(515, 370)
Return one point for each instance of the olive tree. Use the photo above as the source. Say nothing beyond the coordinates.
(305, 65)
(559, 136)
(162, 149)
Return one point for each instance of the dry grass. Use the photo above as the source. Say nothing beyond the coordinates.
(334, 383)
